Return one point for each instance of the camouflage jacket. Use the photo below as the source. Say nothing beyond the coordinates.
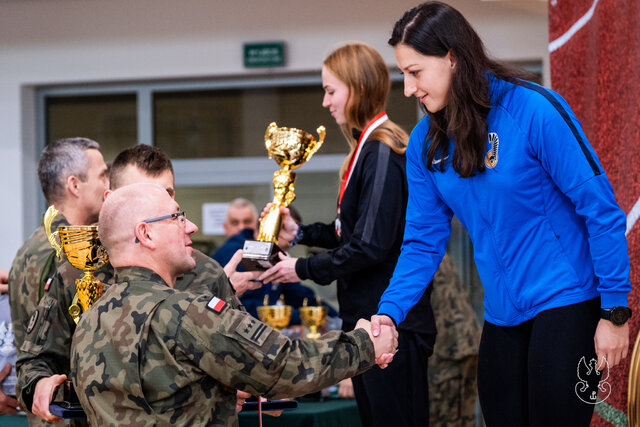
(24, 277)
(146, 354)
(46, 348)
(458, 327)
(24, 287)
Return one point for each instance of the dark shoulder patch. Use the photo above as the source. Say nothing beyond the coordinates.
(253, 331)
(32, 321)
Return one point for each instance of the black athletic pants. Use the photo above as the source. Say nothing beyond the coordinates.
(533, 374)
(399, 394)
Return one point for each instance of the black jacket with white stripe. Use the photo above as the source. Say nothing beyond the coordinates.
(372, 225)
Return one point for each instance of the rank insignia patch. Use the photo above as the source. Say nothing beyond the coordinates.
(491, 159)
(216, 305)
(252, 330)
(32, 321)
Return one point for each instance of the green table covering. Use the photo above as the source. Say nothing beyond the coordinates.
(331, 413)
(13, 421)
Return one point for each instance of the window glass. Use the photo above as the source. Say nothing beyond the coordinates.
(107, 119)
(232, 123)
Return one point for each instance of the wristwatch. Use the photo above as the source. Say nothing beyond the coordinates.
(617, 315)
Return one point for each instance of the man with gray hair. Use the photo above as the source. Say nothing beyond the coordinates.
(240, 224)
(241, 215)
(73, 177)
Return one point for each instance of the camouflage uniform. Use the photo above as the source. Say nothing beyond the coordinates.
(146, 354)
(452, 368)
(47, 346)
(24, 277)
(24, 286)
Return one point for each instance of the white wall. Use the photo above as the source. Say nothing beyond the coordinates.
(51, 42)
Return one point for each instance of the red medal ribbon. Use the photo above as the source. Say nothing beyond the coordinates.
(371, 126)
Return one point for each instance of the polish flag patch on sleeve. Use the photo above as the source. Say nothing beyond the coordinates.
(216, 305)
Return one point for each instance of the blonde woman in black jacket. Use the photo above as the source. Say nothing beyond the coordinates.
(363, 243)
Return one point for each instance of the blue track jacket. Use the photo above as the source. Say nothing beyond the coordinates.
(546, 229)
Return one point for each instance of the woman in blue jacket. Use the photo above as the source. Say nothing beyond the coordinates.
(510, 160)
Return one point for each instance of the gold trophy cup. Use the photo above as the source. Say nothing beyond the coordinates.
(276, 316)
(290, 148)
(312, 317)
(82, 247)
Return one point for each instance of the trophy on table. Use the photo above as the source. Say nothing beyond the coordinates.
(276, 316)
(82, 247)
(312, 317)
(290, 148)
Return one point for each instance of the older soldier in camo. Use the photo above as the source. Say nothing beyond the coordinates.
(146, 354)
(73, 177)
(44, 360)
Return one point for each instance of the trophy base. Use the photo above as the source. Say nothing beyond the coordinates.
(259, 255)
(69, 408)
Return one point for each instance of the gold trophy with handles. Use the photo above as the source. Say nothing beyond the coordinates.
(276, 316)
(82, 247)
(290, 148)
(313, 316)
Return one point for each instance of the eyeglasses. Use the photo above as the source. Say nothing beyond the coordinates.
(182, 217)
(173, 215)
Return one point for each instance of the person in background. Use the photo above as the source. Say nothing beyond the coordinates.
(452, 368)
(509, 159)
(241, 215)
(241, 225)
(8, 403)
(364, 241)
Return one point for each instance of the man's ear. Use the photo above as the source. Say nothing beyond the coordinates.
(226, 228)
(143, 236)
(72, 185)
(107, 192)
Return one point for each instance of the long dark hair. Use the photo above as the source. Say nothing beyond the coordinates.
(435, 29)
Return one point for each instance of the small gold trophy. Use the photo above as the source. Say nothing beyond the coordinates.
(290, 148)
(82, 247)
(276, 316)
(312, 317)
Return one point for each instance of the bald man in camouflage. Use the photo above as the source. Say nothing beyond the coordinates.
(148, 354)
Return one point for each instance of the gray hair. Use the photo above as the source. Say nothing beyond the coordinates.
(61, 159)
(240, 203)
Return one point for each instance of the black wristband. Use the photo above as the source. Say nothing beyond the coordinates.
(297, 237)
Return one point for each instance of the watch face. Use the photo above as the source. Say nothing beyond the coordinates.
(619, 315)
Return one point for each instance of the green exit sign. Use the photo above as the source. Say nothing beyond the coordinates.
(264, 54)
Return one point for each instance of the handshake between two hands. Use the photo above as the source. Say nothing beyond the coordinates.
(384, 336)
